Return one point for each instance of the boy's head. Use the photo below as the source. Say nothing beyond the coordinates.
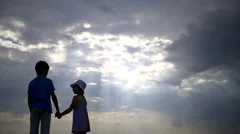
(79, 87)
(41, 68)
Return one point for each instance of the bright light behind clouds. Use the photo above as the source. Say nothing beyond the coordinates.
(130, 61)
(59, 54)
(87, 25)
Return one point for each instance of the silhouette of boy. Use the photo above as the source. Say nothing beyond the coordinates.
(40, 90)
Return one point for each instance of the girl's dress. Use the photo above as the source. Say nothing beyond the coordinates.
(80, 118)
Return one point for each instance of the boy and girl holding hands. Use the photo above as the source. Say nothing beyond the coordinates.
(40, 92)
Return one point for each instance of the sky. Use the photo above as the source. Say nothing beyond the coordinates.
(156, 66)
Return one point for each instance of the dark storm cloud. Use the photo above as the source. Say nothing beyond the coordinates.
(217, 102)
(106, 9)
(210, 42)
(45, 19)
(214, 102)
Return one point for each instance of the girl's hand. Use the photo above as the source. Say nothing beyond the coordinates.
(58, 115)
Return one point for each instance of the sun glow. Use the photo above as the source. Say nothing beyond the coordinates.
(131, 62)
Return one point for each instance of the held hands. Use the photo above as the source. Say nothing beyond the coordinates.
(58, 115)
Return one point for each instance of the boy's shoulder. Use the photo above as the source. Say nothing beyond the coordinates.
(31, 81)
(48, 79)
(45, 79)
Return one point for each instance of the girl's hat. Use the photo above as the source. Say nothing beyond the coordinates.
(79, 83)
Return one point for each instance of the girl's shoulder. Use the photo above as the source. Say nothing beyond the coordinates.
(80, 99)
(79, 96)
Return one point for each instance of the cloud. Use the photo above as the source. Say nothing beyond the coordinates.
(212, 96)
(210, 42)
(106, 9)
(97, 99)
(208, 58)
(47, 19)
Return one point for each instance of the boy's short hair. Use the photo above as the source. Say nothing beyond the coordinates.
(41, 66)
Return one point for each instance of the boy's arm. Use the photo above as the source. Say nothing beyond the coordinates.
(29, 102)
(67, 111)
(55, 101)
(29, 96)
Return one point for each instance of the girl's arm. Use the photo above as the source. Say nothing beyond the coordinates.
(73, 104)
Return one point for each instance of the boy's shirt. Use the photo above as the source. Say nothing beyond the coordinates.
(40, 90)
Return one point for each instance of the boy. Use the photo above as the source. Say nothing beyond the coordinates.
(40, 90)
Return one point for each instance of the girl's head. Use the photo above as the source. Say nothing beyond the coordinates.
(79, 87)
(77, 90)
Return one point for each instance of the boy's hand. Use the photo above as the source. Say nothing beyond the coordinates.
(58, 115)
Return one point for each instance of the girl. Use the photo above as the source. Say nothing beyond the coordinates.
(80, 124)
